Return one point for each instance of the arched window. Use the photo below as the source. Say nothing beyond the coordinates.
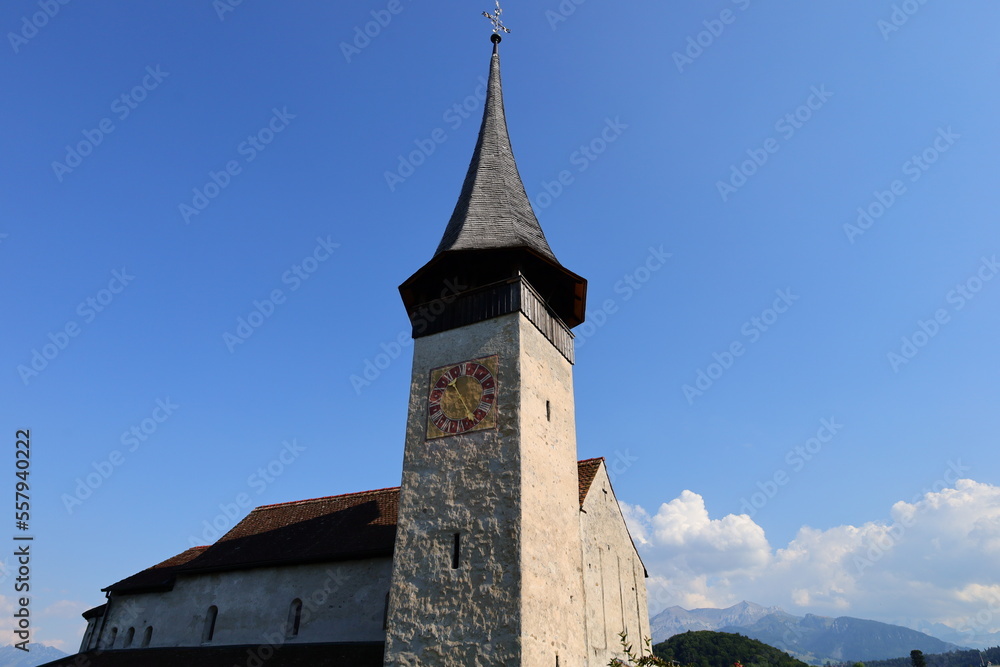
(129, 636)
(147, 636)
(294, 618)
(209, 630)
(112, 637)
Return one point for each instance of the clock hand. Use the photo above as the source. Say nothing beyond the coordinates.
(468, 412)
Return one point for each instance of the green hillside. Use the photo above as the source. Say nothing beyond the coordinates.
(706, 648)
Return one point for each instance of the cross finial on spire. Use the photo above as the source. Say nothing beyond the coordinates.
(497, 21)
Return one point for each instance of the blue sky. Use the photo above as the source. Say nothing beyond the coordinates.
(819, 346)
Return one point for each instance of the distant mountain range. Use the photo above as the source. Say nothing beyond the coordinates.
(814, 639)
(980, 639)
(676, 620)
(37, 654)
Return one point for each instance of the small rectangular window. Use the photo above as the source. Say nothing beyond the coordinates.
(456, 550)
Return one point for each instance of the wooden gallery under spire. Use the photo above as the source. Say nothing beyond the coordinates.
(499, 548)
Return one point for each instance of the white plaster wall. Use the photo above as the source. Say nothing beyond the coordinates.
(613, 575)
(341, 601)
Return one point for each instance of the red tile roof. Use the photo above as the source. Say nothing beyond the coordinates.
(587, 470)
(158, 577)
(348, 526)
(345, 527)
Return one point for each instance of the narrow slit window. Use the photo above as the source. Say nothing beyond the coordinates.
(147, 636)
(548, 417)
(294, 618)
(456, 551)
(209, 631)
(113, 637)
(129, 636)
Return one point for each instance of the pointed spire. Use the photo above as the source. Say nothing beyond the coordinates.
(492, 238)
(493, 210)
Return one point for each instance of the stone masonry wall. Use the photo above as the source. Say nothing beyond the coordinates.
(466, 484)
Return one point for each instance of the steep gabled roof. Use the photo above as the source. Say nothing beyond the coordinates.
(345, 527)
(493, 210)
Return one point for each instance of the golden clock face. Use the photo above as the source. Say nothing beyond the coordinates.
(462, 398)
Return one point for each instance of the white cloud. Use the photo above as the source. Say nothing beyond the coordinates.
(936, 560)
(65, 609)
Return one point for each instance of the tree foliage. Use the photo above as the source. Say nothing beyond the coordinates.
(706, 648)
(964, 658)
(646, 659)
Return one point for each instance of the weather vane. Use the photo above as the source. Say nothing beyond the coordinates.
(497, 21)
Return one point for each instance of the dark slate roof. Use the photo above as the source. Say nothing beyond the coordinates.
(493, 210)
(345, 527)
(369, 654)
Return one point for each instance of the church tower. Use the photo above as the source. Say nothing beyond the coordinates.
(488, 566)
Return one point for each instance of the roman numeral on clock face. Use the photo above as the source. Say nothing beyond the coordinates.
(462, 397)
